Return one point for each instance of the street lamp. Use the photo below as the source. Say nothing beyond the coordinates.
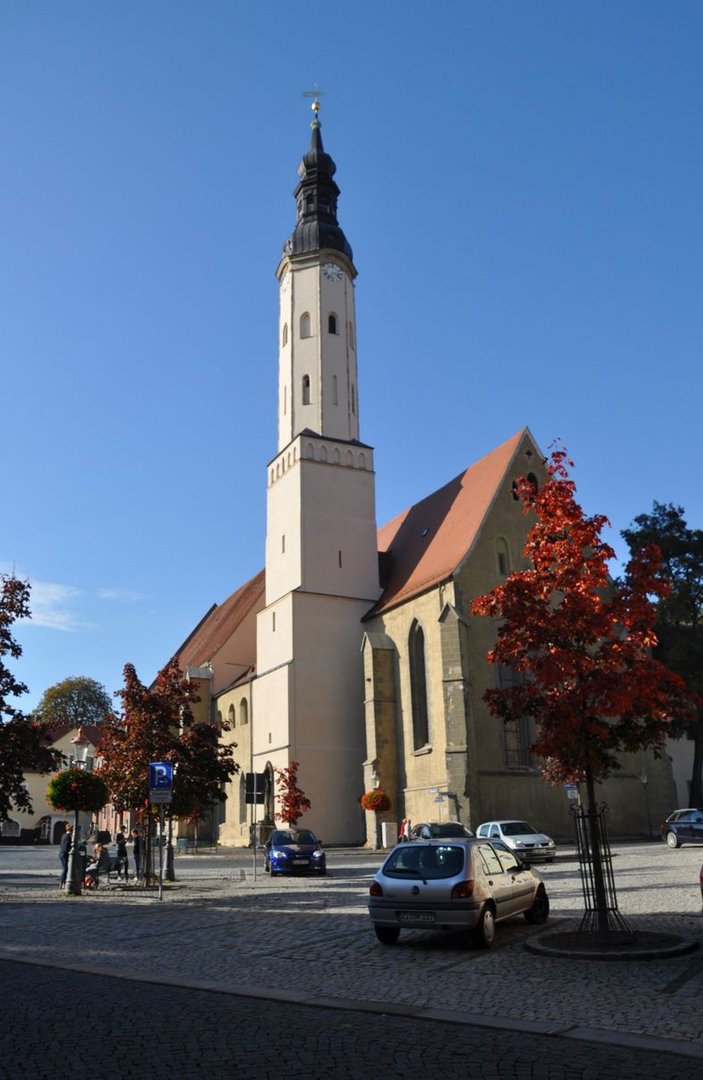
(81, 744)
(75, 860)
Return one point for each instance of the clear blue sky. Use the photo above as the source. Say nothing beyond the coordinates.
(521, 184)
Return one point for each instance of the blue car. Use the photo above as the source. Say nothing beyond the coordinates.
(683, 827)
(294, 851)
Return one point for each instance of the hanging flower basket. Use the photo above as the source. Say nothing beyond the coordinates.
(77, 789)
(375, 800)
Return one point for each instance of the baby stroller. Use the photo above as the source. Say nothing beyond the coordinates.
(95, 870)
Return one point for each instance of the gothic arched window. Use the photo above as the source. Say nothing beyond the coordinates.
(244, 712)
(418, 686)
(331, 323)
(305, 330)
(503, 556)
(306, 389)
(335, 392)
(231, 717)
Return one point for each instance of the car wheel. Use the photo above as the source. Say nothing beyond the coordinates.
(387, 935)
(672, 839)
(485, 932)
(539, 912)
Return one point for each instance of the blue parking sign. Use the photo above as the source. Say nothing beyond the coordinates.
(161, 776)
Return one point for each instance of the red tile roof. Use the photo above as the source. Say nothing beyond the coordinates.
(92, 732)
(220, 622)
(426, 543)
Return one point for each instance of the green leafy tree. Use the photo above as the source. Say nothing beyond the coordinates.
(679, 615)
(580, 647)
(74, 701)
(292, 802)
(24, 743)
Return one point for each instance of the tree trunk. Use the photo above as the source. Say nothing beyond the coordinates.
(148, 868)
(170, 872)
(601, 896)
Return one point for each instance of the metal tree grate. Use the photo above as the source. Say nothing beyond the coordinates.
(585, 844)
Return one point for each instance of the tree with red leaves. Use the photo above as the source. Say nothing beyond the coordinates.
(24, 742)
(580, 645)
(291, 800)
(157, 724)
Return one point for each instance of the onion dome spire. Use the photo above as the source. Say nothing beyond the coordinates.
(316, 195)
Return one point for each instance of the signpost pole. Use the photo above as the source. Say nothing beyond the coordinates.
(161, 851)
(160, 792)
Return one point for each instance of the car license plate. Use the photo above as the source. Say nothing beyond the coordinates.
(416, 916)
(300, 862)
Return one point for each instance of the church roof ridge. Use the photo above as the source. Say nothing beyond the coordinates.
(425, 543)
(220, 622)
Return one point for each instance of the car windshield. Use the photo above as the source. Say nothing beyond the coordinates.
(450, 828)
(293, 836)
(516, 828)
(429, 862)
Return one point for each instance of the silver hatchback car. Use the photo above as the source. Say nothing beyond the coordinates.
(446, 884)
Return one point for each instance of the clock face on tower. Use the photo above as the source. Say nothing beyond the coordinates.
(332, 272)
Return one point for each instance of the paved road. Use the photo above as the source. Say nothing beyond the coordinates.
(164, 1031)
(256, 947)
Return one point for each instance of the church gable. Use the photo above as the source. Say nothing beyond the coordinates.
(425, 544)
(225, 639)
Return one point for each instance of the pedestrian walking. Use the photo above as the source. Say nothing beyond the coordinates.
(137, 850)
(122, 865)
(64, 850)
(407, 823)
(401, 832)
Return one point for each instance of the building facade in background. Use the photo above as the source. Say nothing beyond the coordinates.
(354, 651)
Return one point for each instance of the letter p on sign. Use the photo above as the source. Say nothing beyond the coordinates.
(161, 775)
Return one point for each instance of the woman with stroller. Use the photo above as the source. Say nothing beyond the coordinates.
(100, 864)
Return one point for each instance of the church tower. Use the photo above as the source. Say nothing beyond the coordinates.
(321, 547)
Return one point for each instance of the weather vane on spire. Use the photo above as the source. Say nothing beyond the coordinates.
(315, 105)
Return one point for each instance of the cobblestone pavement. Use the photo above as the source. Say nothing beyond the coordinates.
(310, 942)
(165, 1032)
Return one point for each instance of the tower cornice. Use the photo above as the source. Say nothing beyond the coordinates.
(315, 258)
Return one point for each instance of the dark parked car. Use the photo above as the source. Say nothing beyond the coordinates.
(291, 851)
(435, 830)
(465, 885)
(683, 827)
